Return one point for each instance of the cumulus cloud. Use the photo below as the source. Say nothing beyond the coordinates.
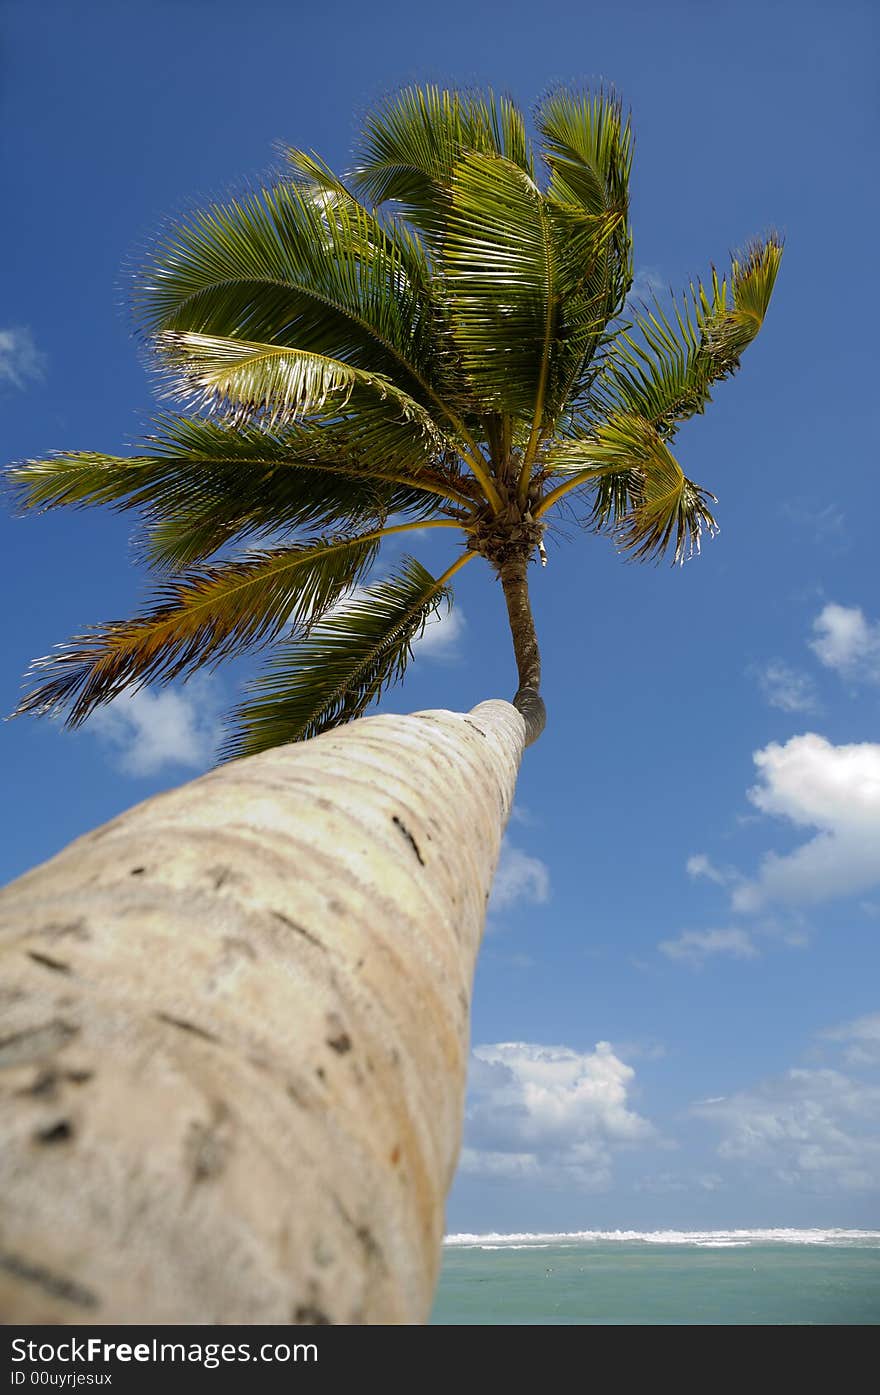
(834, 789)
(442, 635)
(810, 1128)
(786, 688)
(694, 947)
(848, 643)
(519, 880)
(21, 362)
(150, 731)
(861, 1037)
(549, 1113)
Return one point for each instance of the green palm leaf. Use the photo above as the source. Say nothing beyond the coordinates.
(201, 618)
(277, 382)
(524, 281)
(588, 147)
(412, 143)
(276, 269)
(343, 664)
(665, 370)
(639, 489)
(204, 483)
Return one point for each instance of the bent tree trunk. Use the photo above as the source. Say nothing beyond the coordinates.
(235, 1031)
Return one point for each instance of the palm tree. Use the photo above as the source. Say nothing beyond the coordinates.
(444, 339)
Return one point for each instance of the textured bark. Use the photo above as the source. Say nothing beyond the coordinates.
(527, 701)
(235, 1030)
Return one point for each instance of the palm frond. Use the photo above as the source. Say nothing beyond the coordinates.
(665, 370)
(640, 492)
(276, 382)
(204, 483)
(284, 268)
(328, 192)
(200, 619)
(593, 278)
(410, 146)
(342, 665)
(527, 285)
(499, 271)
(588, 147)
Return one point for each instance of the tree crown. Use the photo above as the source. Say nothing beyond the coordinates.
(444, 338)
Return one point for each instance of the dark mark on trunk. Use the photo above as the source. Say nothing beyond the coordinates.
(57, 930)
(187, 1026)
(408, 836)
(48, 962)
(45, 1085)
(307, 1315)
(478, 730)
(59, 1132)
(207, 1147)
(371, 1246)
(35, 1043)
(56, 1285)
(300, 930)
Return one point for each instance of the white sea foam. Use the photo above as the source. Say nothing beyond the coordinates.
(716, 1239)
(535, 1245)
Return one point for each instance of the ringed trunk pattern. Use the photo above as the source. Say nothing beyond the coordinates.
(235, 1033)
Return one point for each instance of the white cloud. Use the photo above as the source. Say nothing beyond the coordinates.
(701, 866)
(148, 731)
(520, 879)
(694, 947)
(549, 1113)
(442, 635)
(787, 688)
(810, 1128)
(862, 1036)
(835, 789)
(847, 642)
(21, 362)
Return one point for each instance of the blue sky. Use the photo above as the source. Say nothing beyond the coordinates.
(677, 1017)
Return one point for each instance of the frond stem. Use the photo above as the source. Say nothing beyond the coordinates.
(535, 433)
(456, 566)
(561, 490)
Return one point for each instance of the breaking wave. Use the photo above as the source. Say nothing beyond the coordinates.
(704, 1239)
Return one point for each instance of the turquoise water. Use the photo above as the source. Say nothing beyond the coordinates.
(727, 1277)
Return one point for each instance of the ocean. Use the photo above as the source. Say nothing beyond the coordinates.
(627, 1278)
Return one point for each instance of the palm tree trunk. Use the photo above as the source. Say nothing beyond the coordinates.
(528, 700)
(235, 1034)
